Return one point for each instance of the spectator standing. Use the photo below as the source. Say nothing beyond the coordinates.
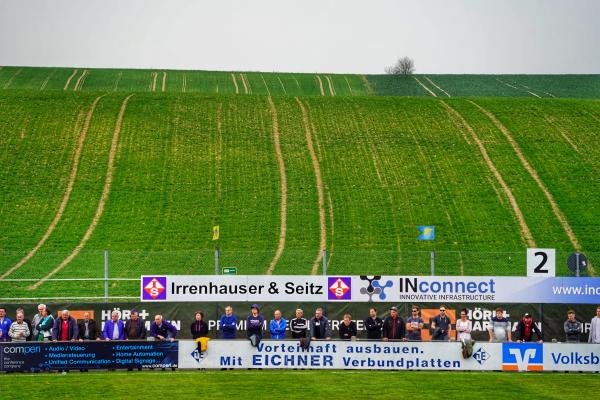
(299, 325)
(36, 320)
(19, 330)
(348, 328)
(393, 326)
(135, 327)
(162, 329)
(414, 325)
(65, 328)
(88, 329)
(44, 326)
(463, 326)
(5, 324)
(441, 325)
(319, 326)
(27, 321)
(526, 328)
(277, 326)
(373, 324)
(199, 328)
(594, 336)
(499, 329)
(228, 323)
(572, 328)
(114, 328)
(254, 325)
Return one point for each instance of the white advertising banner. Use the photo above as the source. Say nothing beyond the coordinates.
(310, 288)
(336, 354)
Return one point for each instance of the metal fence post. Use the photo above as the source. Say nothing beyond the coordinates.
(324, 261)
(432, 262)
(217, 261)
(106, 276)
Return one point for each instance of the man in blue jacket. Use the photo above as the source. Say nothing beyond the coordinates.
(277, 326)
(228, 323)
(5, 323)
(114, 328)
(161, 329)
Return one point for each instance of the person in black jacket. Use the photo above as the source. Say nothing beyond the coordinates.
(88, 330)
(526, 328)
(299, 325)
(348, 328)
(135, 327)
(393, 326)
(373, 324)
(319, 326)
(199, 328)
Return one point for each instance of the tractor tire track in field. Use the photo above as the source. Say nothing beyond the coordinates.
(562, 132)
(244, 83)
(67, 194)
(118, 81)
(437, 86)
(320, 85)
(330, 84)
(320, 188)
(70, 78)
(349, 87)
(237, 89)
(103, 198)
(516, 88)
(12, 78)
(534, 174)
(164, 82)
(80, 81)
(281, 164)
(265, 83)
(45, 83)
(154, 77)
(368, 86)
(424, 87)
(283, 87)
(461, 122)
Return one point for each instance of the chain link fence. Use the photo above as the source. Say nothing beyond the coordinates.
(111, 274)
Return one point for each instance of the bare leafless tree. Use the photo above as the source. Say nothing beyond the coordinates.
(404, 66)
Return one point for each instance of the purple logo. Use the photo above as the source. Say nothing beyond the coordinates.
(340, 288)
(154, 288)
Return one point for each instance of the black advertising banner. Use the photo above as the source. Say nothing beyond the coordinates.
(549, 317)
(52, 356)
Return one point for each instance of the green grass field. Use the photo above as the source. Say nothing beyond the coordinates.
(303, 384)
(182, 163)
(297, 84)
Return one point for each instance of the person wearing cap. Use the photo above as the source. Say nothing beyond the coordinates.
(393, 326)
(526, 328)
(135, 327)
(441, 325)
(254, 324)
(319, 326)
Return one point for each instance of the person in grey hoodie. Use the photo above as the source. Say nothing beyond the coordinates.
(572, 328)
(594, 336)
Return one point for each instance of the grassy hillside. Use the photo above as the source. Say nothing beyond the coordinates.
(297, 84)
(148, 176)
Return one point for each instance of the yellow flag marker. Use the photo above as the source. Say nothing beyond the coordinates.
(216, 232)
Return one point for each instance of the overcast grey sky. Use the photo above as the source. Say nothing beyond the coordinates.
(442, 36)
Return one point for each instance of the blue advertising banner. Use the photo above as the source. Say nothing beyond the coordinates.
(32, 356)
